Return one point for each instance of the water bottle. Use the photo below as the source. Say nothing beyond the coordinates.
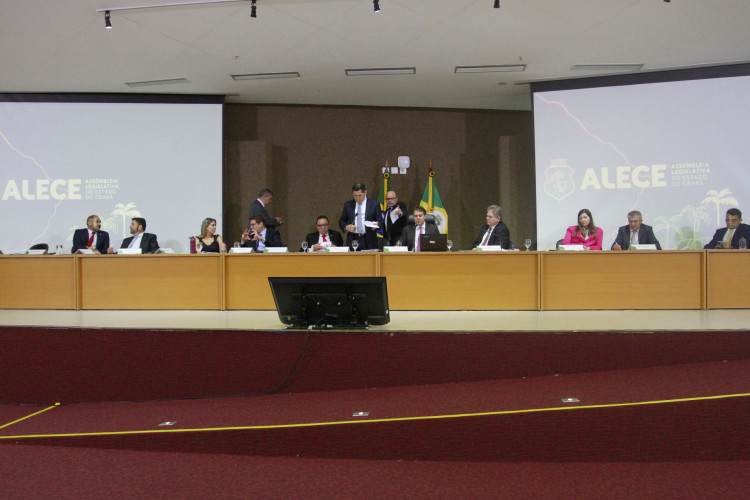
(743, 243)
(192, 244)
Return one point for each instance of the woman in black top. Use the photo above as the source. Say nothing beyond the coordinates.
(208, 242)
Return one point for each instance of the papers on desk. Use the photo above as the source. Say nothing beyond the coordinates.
(643, 246)
(371, 224)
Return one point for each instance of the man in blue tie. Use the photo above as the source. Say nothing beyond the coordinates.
(355, 216)
(140, 239)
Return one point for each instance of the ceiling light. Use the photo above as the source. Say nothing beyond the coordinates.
(497, 68)
(607, 67)
(376, 5)
(149, 83)
(107, 24)
(381, 71)
(266, 76)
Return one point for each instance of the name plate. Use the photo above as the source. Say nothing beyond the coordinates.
(241, 250)
(490, 248)
(643, 246)
(396, 249)
(275, 250)
(337, 249)
(85, 251)
(575, 248)
(36, 252)
(129, 251)
(165, 250)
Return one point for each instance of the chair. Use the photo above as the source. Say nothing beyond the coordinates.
(557, 245)
(429, 218)
(40, 246)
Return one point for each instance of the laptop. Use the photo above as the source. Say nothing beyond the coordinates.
(433, 243)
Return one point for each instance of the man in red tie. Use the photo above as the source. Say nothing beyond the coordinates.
(92, 237)
(323, 237)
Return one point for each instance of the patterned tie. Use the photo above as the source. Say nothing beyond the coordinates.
(486, 236)
(418, 246)
(360, 216)
(91, 239)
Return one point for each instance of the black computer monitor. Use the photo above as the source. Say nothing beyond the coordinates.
(336, 302)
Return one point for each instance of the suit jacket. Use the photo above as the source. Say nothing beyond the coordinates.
(81, 240)
(273, 239)
(334, 237)
(408, 236)
(148, 243)
(393, 230)
(257, 208)
(500, 236)
(372, 213)
(742, 230)
(645, 237)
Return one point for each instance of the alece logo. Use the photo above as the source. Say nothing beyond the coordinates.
(558, 182)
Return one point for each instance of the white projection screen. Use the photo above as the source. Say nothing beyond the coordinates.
(63, 159)
(677, 151)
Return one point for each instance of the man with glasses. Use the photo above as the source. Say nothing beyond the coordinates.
(395, 218)
(323, 237)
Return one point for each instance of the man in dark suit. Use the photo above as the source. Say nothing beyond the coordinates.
(92, 237)
(410, 236)
(635, 233)
(258, 236)
(494, 232)
(258, 207)
(356, 214)
(324, 237)
(394, 218)
(140, 239)
(729, 237)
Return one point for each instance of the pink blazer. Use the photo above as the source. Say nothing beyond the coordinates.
(594, 241)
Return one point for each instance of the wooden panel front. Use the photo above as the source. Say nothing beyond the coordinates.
(623, 280)
(728, 279)
(246, 275)
(150, 281)
(472, 281)
(37, 282)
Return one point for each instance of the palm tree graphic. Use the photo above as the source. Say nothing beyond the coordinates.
(126, 212)
(719, 198)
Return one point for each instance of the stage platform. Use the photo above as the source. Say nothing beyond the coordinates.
(401, 321)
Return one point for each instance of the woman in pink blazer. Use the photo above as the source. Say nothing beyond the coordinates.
(585, 233)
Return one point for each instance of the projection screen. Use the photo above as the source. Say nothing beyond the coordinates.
(677, 151)
(63, 161)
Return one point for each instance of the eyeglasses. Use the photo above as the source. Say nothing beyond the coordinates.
(390, 197)
(321, 225)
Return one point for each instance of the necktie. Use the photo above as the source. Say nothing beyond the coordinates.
(633, 237)
(132, 242)
(728, 236)
(91, 239)
(360, 216)
(418, 245)
(324, 238)
(487, 236)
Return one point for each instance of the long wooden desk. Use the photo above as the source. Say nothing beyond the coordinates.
(695, 279)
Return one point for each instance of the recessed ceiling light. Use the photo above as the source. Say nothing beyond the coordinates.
(266, 76)
(497, 68)
(381, 71)
(148, 83)
(607, 67)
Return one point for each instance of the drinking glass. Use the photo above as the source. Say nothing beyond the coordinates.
(355, 245)
(527, 243)
(450, 245)
(304, 246)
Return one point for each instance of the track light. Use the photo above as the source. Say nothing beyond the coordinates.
(252, 10)
(107, 24)
(497, 4)
(376, 5)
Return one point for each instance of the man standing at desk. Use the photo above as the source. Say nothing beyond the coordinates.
(145, 241)
(412, 232)
(258, 207)
(258, 236)
(355, 216)
(729, 237)
(635, 233)
(92, 237)
(394, 218)
(494, 232)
